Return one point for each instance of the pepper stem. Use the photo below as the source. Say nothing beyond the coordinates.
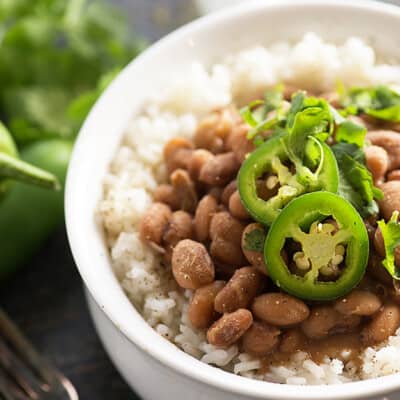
(16, 169)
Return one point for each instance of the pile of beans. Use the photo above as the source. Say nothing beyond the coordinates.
(199, 225)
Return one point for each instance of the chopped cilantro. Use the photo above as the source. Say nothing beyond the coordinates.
(381, 102)
(254, 240)
(355, 181)
(391, 239)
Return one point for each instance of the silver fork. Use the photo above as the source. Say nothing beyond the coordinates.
(24, 374)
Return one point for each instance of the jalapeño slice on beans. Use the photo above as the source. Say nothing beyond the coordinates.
(317, 248)
(270, 167)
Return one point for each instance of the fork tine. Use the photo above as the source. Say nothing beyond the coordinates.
(54, 382)
(24, 348)
(9, 391)
(18, 371)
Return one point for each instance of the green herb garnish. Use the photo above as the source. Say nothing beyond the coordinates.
(256, 114)
(355, 181)
(391, 238)
(350, 132)
(380, 102)
(52, 51)
(312, 118)
(254, 240)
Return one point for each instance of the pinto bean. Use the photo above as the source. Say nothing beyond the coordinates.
(325, 320)
(383, 325)
(214, 129)
(379, 246)
(377, 271)
(192, 266)
(292, 340)
(238, 142)
(280, 309)
(224, 271)
(346, 324)
(219, 170)
(394, 175)
(226, 234)
(225, 226)
(166, 194)
(255, 257)
(239, 291)
(201, 311)
(391, 199)
(185, 190)
(229, 328)
(390, 141)
(154, 223)
(377, 160)
(205, 211)
(321, 320)
(236, 207)
(216, 192)
(227, 252)
(180, 227)
(177, 153)
(261, 339)
(229, 189)
(289, 91)
(371, 224)
(358, 302)
(198, 159)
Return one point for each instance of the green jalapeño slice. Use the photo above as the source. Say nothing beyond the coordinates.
(269, 179)
(317, 248)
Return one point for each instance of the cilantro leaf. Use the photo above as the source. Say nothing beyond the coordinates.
(380, 102)
(388, 114)
(295, 107)
(247, 113)
(355, 181)
(52, 52)
(307, 116)
(254, 240)
(273, 99)
(309, 120)
(350, 132)
(391, 238)
(256, 114)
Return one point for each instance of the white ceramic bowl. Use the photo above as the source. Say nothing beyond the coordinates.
(155, 368)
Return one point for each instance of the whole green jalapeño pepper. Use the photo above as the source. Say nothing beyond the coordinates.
(330, 245)
(28, 214)
(272, 158)
(11, 167)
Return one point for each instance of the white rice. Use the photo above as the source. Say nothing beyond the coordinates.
(137, 169)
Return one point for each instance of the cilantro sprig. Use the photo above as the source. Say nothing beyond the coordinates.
(257, 113)
(52, 53)
(355, 181)
(391, 238)
(254, 240)
(380, 102)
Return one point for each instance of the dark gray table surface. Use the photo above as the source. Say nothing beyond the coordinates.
(46, 297)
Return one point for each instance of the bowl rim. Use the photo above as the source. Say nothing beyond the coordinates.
(161, 349)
